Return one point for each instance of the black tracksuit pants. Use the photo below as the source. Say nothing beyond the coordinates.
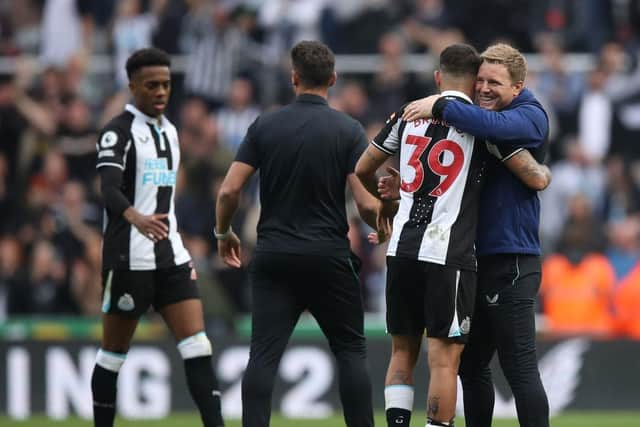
(504, 321)
(283, 286)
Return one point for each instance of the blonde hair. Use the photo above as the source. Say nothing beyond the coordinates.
(508, 56)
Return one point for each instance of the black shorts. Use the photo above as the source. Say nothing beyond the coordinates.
(132, 292)
(423, 295)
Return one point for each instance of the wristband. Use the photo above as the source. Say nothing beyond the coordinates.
(223, 236)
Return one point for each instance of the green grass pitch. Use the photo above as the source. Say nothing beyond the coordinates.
(574, 419)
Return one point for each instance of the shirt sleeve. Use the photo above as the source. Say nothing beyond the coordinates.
(113, 146)
(110, 184)
(523, 126)
(388, 139)
(504, 152)
(360, 143)
(248, 152)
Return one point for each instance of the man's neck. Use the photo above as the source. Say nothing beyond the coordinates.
(459, 88)
(323, 91)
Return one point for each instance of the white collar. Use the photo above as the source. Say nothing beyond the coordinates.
(458, 94)
(160, 121)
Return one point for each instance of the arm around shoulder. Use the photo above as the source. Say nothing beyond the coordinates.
(525, 123)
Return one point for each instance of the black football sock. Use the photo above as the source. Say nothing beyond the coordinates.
(103, 387)
(204, 390)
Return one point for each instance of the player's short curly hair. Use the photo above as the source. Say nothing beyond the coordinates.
(508, 56)
(460, 59)
(147, 57)
(314, 62)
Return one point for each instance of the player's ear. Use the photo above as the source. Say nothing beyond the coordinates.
(437, 77)
(295, 79)
(333, 79)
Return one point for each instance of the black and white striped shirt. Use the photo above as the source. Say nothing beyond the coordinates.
(146, 149)
(441, 170)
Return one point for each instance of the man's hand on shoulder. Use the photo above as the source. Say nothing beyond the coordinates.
(420, 109)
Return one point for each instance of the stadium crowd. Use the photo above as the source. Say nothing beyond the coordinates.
(235, 67)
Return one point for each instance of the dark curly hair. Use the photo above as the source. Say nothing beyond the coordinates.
(314, 62)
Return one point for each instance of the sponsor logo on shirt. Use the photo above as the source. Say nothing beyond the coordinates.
(156, 172)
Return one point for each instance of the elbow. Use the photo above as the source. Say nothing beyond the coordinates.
(360, 171)
(539, 185)
(228, 193)
(367, 207)
(368, 212)
(540, 182)
(545, 179)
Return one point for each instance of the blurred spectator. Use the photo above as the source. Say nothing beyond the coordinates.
(577, 296)
(430, 22)
(45, 290)
(621, 197)
(594, 118)
(21, 27)
(623, 250)
(76, 139)
(432, 13)
(169, 19)
(576, 175)
(195, 24)
(355, 26)
(8, 196)
(392, 86)
(17, 113)
(11, 272)
(501, 19)
(287, 22)
(73, 217)
(584, 26)
(132, 30)
(217, 307)
(218, 55)
(562, 88)
(66, 30)
(618, 82)
(353, 100)
(577, 281)
(626, 303)
(582, 233)
(237, 115)
(86, 277)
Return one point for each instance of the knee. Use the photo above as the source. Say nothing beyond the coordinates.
(444, 356)
(405, 351)
(111, 361)
(197, 345)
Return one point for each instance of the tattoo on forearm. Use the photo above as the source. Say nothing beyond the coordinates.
(433, 405)
(530, 167)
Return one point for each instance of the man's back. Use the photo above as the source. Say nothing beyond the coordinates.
(442, 171)
(304, 152)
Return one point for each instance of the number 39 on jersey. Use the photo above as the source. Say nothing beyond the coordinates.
(444, 158)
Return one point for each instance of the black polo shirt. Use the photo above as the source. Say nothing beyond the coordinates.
(304, 152)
